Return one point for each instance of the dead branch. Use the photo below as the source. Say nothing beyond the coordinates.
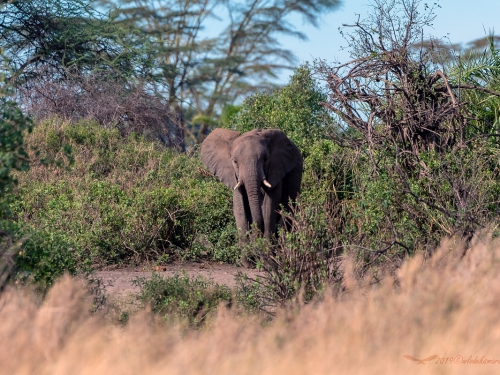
(105, 97)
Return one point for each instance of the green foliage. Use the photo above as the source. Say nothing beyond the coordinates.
(302, 261)
(295, 109)
(415, 171)
(454, 191)
(480, 68)
(180, 297)
(13, 156)
(397, 213)
(41, 256)
(129, 200)
(250, 294)
(56, 34)
(328, 173)
(45, 256)
(125, 200)
(227, 114)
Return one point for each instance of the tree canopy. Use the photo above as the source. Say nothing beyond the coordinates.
(202, 71)
(46, 37)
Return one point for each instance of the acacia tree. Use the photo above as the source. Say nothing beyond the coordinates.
(73, 61)
(172, 28)
(203, 72)
(57, 34)
(249, 48)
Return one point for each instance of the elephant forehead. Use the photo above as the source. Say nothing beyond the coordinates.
(248, 142)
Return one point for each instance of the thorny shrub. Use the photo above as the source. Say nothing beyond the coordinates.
(304, 259)
(102, 96)
(425, 168)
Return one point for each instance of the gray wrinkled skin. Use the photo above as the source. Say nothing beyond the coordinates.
(262, 167)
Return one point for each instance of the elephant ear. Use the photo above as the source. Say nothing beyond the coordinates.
(284, 155)
(216, 155)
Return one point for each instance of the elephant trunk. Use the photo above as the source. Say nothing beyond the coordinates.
(253, 186)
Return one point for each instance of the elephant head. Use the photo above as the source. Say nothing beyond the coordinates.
(263, 167)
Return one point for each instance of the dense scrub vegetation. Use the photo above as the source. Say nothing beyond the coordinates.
(129, 200)
(191, 300)
(400, 150)
(124, 200)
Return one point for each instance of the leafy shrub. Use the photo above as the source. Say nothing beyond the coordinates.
(129, 200)
(295, 109)
(13, 156)
(457, 195)
(188, 299)
(44, 256)
(389, 193)
(423, 142)
(125, 199)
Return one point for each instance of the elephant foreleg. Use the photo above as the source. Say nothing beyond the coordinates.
(241, 214)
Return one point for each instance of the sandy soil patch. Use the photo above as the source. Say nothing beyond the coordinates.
(120, 282)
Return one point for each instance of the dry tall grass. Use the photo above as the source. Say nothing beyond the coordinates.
(447, 307)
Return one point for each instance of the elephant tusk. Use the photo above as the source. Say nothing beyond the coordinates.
(237, 185)
(267, 183)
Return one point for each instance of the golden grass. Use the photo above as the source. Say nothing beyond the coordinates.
(447, 307)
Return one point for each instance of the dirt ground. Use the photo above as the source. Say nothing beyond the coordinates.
(118, 282)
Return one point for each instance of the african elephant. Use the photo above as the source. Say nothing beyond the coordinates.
(264, 169)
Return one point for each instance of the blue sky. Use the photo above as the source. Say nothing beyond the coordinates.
(459, 20)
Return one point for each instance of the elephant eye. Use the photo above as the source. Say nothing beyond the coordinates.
(234, 161)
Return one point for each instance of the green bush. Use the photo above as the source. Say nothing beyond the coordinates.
(377, 208)
(13, 156)
(295, 109)
(456, 195)
(125, 199)
(189, 299)
(45, 256)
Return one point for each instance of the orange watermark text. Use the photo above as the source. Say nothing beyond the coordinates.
(454, 360)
